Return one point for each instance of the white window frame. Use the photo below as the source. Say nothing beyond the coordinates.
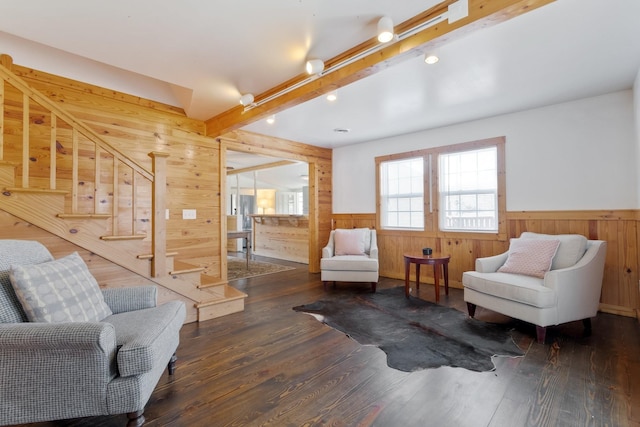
(431, 195)
(466, 183)
(402, 196)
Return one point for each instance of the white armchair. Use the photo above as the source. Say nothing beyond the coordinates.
(569, 291)
(350, 256)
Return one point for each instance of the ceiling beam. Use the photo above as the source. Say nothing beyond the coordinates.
(260, 167)
(482, 14)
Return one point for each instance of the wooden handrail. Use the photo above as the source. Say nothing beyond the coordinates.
(157, 177)
(85, 130)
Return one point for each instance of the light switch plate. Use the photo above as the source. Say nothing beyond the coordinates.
(188, 214)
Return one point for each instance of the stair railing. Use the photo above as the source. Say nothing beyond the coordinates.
(60, 122)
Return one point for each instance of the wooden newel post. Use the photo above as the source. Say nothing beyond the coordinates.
(6, 61)
(158, 220)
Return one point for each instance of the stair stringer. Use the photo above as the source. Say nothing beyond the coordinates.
(85, 233)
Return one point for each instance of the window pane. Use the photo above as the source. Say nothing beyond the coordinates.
(469, 190)
(404, 219)
(402, 193)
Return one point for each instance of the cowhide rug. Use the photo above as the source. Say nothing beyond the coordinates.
(415, 334)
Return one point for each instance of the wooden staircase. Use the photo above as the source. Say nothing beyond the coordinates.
(90, 196)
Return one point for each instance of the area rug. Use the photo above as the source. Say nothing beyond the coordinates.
(237, 268)
(415, 334)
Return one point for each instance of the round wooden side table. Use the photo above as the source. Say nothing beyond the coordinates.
(436, 260)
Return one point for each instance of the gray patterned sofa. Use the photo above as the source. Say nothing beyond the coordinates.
(55, 364)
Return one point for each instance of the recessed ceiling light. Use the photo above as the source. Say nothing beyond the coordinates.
(332, 96)
(271, 119)
(342, 130)
(431, 59)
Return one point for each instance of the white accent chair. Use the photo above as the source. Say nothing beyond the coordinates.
(351, 264)
(569, 291)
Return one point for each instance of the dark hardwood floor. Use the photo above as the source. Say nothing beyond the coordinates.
(271, 366)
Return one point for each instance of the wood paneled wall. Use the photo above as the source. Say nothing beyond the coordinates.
(136, 127)
(620, 290)
(281, 237)
(195, 173)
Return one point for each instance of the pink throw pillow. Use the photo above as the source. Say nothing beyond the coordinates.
(531, 257)
(349, 242)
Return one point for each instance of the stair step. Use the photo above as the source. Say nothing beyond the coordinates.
(150, 256)
(116, 238)
(222, 309)
(229, 294)
(181, 267)
(34, 190)
(83, 216)
(210, 282)
(8, 163)
(229, 301)
(186, 271)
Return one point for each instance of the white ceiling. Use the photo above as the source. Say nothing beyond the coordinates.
(566, 50)
(201, 55)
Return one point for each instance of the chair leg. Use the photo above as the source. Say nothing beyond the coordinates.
(136, 419)
(324, 284)
(471, 308)
(587, 326)
(541, 333)
(373, 286)
(172, 364)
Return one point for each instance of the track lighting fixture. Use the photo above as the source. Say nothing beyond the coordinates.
(385, 30)
(455, 11)
(246, 99)
(314, 66)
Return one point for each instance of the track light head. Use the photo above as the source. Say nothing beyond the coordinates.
(385, 30)
(246, 99)
(314, 66)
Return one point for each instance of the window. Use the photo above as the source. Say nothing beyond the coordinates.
(402, 193)
(456, 188)
(468, 190)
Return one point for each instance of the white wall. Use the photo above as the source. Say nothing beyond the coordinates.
(636, 109)
(58, 62)
(579, 155)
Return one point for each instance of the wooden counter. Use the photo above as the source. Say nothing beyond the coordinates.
(281, 236)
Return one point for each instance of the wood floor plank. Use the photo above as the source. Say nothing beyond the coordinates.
(272, 366)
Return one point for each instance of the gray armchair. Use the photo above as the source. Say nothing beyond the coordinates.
(54, 371)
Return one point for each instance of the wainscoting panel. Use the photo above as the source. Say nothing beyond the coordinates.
(620, 289)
